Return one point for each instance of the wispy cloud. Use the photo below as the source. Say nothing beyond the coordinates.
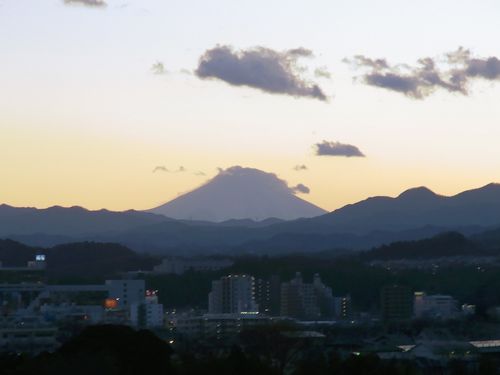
(326, 148)
(453, 72)
(262, 68)
(162, 168)
(88, 3)
(159, 68)
(199, 173)
(300, 167)
(322, 72)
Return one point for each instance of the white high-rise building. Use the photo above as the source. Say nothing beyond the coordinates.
(307, 301)
(233, 294)
(127, 291)
(148, 314)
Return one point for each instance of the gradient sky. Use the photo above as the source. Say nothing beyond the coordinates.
(84, 121)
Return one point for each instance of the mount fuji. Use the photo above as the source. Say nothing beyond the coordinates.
(241, 193)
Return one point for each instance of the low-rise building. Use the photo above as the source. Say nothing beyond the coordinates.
(219, 326)
(20, 337)
(179, 266)
(116, 301)
(435, 306)
(91, 314)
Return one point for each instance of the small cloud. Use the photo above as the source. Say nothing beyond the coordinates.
(322, 72)
(161, 168)
(88, 3)
(200, 173)
(261, 68)
(159, 68)
(453, 73)
(300, 52)
(326, 148)
(300, 167)
(301, 189)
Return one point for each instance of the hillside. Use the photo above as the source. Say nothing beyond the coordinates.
(77, 260)
(449, 244)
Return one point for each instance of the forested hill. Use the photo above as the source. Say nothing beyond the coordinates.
(443, 245)
(83, 259)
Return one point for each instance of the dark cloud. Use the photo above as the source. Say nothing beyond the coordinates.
(261, 68)
(301, 188)
(452, 73)
(326, 148)
(89, 3)
(159, 68)
(300, 167)
(488, 68)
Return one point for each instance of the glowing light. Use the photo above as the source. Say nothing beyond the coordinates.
(111, 303)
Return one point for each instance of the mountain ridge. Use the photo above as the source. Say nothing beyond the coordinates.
(415, 213)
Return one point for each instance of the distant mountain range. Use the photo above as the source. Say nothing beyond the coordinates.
(71, 221)
(240, 193)
(415, 214)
